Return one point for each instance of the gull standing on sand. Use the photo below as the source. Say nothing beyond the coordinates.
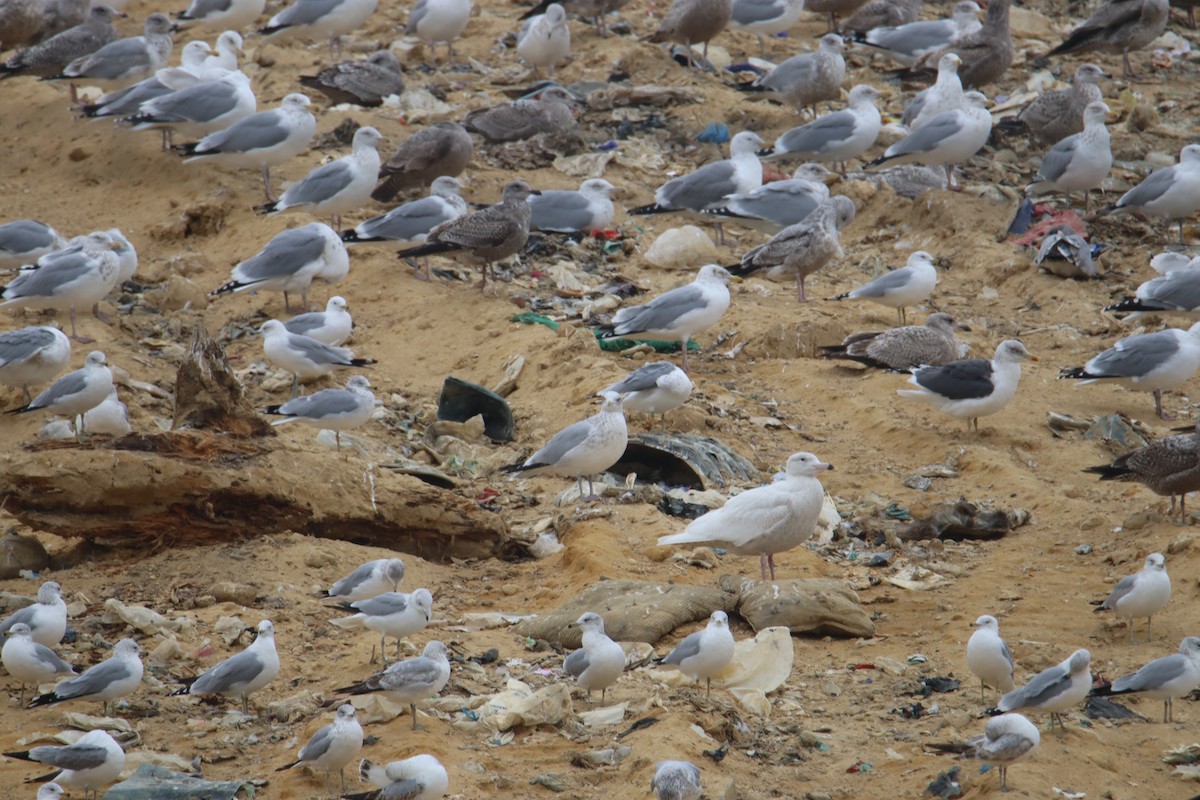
(46, 618)
(411, 680)
(126, 61)
(599, 662)
(91, 763)
(222, 15)
(582, 449)
(910, 42)
(303, 356)
(33, 355)
(565, 211)
(547, 110)
(53, 55)
(765, 520)
(197, 109)
(903, 349)
(128, 101)
(946, 139)
(807, 79)
(765, 18)
(544, 41)
(836, 137)
(1169, 466)
(440, 150)
(418, 778)
(1079, 163)
(330, 409)
(107, 681)
(1118, 26)
(1057, 689)
(986, 53)
(437, 21)
(393, 614)
(693, 22)
(676, 780)
(412, 221)
(368, 580)
(593, 10)
(1058, 113)
(242, 674)
(28, 661)
(988, 657)
(973, 387)
(1152, 362)
(363, 83)
(290, 262)
(338, 187)
(946, 94)
(264, 140)
(1142, 594)
(903, 287)
(24, 241)
(774, 206)
(76, 392)
(1177, 291)
(803, 248)
(1172, 193)
(704, 653)
(1006, 739)
(1166, 679)
(331, 326)
(654, 388)
(679, 314)
(319, 18)
(332, 747)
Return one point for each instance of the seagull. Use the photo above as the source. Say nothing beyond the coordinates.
(440, 150)
(547, 110)
(107, 681)
(24, 241)
(1142, 594)
(242, 674)
(654, 388)
(290, 262)
(1056, 689)
(92, 762)
(363, 83)
(988, 656)
(28, 661)
(599, 662)
(583, 211)
(1152, 362)
(836, 137)
(418, 778)
(544, 40)
(47, 618)
(303, 356)
(906, 286)
(1168, 466)
(582, 449)
(704, 653)
(692, 22)
(337, 187)
(946, 94)
(593, 10)
(1006, 739)
(1056, 114)
(1079, 162)
(331, 326)
(903, 349)
(330, 409)
(765, 520)
(765, 18)
(986, 53)
(973, 387)
(437, 21)
(1166, 679)
(946, 139)
(411, 680)
(679, 314)
(110, 418)
(412, 221)
(391, 614)
(1172, 193)
(52, 56)
(33, 355)
(197, 109)
(774, 206)
(50, 791)
(908, 43)
(319, 18)
(807, 79)
(222, 14)
(125, 61)
(1118, 26)
(76, 392)
(878, 13)
(368, 580)
(332, 747)
(676, 780)
(1176, 291)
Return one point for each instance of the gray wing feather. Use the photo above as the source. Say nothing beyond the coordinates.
(359, 576)
(661, 312)
(318, 745)
(1059, 157)
(407, 789)
(284, 255)
(1154, 675)
(1180, 289)
(67, 385)
(48, 281)
(202, 8)
(928, 136)
(199, 103)
(302, 324)
(252, 133)
(407, 221)
(113, 60)
(320, 184)
(795, 70)
(234, 671)
(1136, 356)
(325, 403)
(563, 442)
(50, 658)
(888, 282)
(642, 378)
(576, 663)
(73, 757)
(1148, 190)
(319, 352)
(414, 672)
(685, 649)
(785, 205)
(382, 605)
(560, 211)
(1007, 747)
(1005, 651)
(819, 134)
(913, 38)
(1046, 685)
(1123, 587)
(416, 15)
(22, 236)
(17, 346)
(94, 680)
(747, 12)
(23, 615)
(306, 12)
(701, 189)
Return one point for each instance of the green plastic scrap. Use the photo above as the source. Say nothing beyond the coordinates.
(529, 318)
(894, 511)
(617, 345)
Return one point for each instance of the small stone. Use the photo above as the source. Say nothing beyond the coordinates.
(318, 558)
(890, 666)
(230, 592)
(1083, 550)
(79, 154)
(1181, 543)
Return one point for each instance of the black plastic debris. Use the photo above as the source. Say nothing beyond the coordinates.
(1103, 708)
(641, 724)
(915, 711)
(460, 400)
(879, 559)
(718, 755)
(928, 686)
(945, 785)
(674, 507)
(1022, 219)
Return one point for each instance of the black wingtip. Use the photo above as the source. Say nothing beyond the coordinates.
(1073, 372)
(652, 208)
(286, 766)
(272, 410)
(766, 151)
(21, 754)
(45, 699)
(265, 208)
(226, 288)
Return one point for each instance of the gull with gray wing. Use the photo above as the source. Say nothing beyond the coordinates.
(565, 211)
(412, 221)
(988, 656)
(338, 187)
(704, 653)
(304, 357)
(1006, 739)
(899, 288)
(774, 206)
(971, 388)
(393, 614)
(332, 747)
(1167, 679)
(242, 674)
(654, 388)
(290, 262)
(1142, 594)
(330, 409)
(91, 763)
(411, 680)
(107, 681)
(1080, 162)
(331, 326)
(46, 618)
(33, 355)
(24, 241)
(599, 662)
(903, 349)
(368, 580)
(1057, 689)
(676, 780)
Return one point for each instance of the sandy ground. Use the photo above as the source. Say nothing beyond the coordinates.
(82, 176)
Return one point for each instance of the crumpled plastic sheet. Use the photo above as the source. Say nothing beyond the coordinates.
(152, 782)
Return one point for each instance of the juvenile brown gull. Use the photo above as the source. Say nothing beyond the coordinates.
(548, 112)
(1118, 26)
(805, 80)
(1169, 467)
(1058, 113)
(903, 349)
(442, 149)
(363, 83)
(51, 56)
(692, 22)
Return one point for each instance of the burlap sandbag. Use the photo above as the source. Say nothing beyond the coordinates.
(815, 605)
(633, 611)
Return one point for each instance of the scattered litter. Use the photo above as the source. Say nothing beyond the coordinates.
(714, 133)
(945, 786)
(153, 782)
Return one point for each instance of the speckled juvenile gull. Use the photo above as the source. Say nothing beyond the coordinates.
(679, 314)
(1057, 689)
(33, 355)
(548, 112)
(91, 763)
(363, 83)
(52, 56)
(705, 653)
(807, 79)
(1056, 114)
(899, 288)
(654, 388)
(24, 241)
(946, 94)
(903, 349)
(20, 20)
(199, 109)
(1142, 594)
(76, 392)
(583, 449)
(338, 187)
(1118, 26)
(486, 236)
(303, 356)
(110, 418)
(599, 662)
(107, 681)
(28, 661)
(331, 409)
(262, 140)
(442, 149)
(318, 19)
(676, 780)
(988, 656)
(946, 139)
(765, 18)
(368, 580)
(986, 54)
(1065, 253)
(774, 206)
(1169, 467)
(1150, 362)
(437, 21)
(332, 747)
(803, 248)
(126, 61)
(60, 15)
(412, 222)
(564, 211)
(291, 262)
(1167, 678)
(393, 614)
(973, 387)
(1006, 739)
(910, 42)
(1172, 193)
(331, 326)
(47, 618)
(1080, 162)
(836, 137)
(222, 14)
(241, 674)
(544, 41)
(765, 520)
(411, 680)
(418, 778)
(882, 13)
(693, 22)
